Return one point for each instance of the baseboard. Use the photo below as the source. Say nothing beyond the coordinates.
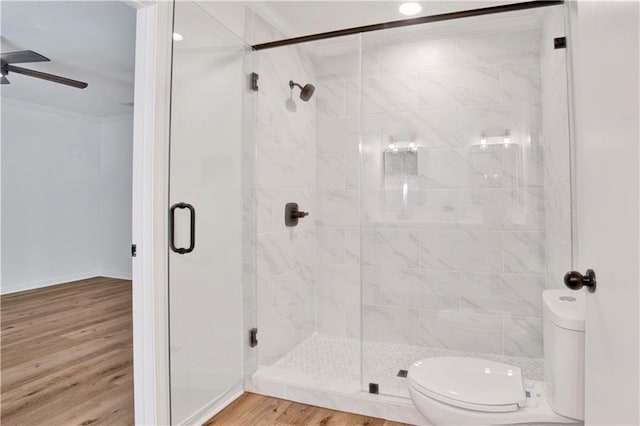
(116, 274)
(215, 406)
(16, 288)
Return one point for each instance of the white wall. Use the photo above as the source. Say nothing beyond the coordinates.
(605, 56)
(115, 196)
(54, 186)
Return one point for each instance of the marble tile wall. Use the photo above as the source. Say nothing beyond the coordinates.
(458, 257)
(338, 196)
(285, 164)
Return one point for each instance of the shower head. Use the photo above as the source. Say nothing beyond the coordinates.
(305, 92)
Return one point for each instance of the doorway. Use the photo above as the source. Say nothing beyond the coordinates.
(66, 213)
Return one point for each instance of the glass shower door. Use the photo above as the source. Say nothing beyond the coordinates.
(207, 225)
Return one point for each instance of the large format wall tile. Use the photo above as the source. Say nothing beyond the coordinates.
(524, 252)
(461, 330)
(338, 208)
(280, 252)
(444, 168)
(283, 294)
(388, 94)
(520, 81)
(498, 48)
(331, 99)
(370, 279)
(558, 201)
(558, 261)
(502, 293)
(432, 128)
(389, 247)
(330, 245)
(431, 208)
(337, 135)
(339, 67)
(417, 57)
(276, 339)
(390, 324)
(331, 318)
(499, 208)
(284, 168)
(419, 289)
(458, 250)
(522, 120)
(330, 169)
(459, 86)
(338, 282)
(523, 337)
(352, 245)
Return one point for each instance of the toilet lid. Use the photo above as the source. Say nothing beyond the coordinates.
(471, 383)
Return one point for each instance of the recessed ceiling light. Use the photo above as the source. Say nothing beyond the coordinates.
(410, 8)
(177, 37)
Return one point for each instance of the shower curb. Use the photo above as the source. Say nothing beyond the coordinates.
(266, 382)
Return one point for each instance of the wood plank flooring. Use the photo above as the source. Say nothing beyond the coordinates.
(257, 410)
(67, 355)
(66, 359)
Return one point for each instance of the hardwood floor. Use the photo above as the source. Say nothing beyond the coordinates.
(66, 355)
(66, 359)
(257, 410)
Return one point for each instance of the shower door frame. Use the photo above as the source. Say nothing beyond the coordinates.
(154, 26)
(150, 265)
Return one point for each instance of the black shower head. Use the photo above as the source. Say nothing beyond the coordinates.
(305, 92)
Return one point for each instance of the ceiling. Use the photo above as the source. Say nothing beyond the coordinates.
(91, 41)
(94, 41)
(298, 18)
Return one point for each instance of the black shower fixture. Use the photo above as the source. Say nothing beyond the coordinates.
(305, 92)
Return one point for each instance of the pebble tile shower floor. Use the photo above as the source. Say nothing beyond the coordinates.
(335, 361)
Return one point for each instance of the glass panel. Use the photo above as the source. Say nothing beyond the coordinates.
(307, 153)
(466, 201)
(209, 172)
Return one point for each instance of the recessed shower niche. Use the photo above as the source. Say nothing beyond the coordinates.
(400, 169)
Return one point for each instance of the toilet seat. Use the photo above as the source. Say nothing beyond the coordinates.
(469, 383)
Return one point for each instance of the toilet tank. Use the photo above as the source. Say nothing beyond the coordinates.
(563, 317)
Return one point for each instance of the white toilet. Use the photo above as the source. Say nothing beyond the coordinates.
(472, 391)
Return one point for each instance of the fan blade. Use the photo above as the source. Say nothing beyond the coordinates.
(49, 77)
(4, 80)
(22, 56)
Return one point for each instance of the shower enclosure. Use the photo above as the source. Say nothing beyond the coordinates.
(435, 163)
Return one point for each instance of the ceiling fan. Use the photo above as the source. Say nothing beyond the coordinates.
(7, 59)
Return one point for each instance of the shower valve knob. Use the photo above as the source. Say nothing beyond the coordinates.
(292, 214)
(575, 280)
